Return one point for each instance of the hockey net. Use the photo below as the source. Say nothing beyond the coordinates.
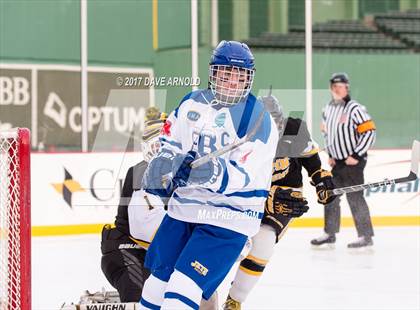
(15, 226)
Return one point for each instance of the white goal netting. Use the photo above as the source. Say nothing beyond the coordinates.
(14, 249)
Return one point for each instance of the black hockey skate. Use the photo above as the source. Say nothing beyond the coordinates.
(362, 242)
(328, 240)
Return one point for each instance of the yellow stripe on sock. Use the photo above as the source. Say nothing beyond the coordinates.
(257, 260)
(250, 272)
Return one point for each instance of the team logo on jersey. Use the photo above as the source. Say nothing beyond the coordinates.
(220, 119)
(199, 268)
(68, 187)
(193, 116)
(166, 129)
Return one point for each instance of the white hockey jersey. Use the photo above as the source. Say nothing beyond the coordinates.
(234, 196)
(145, 213)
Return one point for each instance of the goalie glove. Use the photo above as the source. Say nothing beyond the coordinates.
(322, 180)
(286, 202)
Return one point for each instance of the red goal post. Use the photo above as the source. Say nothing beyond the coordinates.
(15, 220)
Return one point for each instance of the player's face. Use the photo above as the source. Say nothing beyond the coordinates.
(230, 84)
(232, 79)
(339, 90)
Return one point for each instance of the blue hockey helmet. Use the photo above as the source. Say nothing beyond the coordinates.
(233, 53)
(231, 72)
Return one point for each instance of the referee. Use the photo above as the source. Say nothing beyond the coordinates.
(349, 132)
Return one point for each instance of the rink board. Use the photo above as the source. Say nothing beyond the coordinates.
(76, 193)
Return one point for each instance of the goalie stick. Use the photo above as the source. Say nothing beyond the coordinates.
(415, 156)
(202, 160)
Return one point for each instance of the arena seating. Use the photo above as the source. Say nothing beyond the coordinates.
(391, 32)
(404, 26)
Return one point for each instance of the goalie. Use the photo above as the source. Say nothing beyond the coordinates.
(122, 255)
(285, 201)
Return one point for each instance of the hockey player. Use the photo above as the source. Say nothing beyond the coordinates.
(139, 215)
(285, 201)
(213, 208)
(122, 255)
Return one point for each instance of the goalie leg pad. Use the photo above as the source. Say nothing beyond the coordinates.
(124, 270)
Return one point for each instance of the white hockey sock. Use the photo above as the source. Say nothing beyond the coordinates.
(181, 293)
(247, 276)
(153, 292)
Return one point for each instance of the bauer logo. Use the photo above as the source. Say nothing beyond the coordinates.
(193, 116)
(199, 268)
(128, 246)
(237, 60)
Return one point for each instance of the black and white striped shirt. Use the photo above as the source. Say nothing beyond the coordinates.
(348, 129)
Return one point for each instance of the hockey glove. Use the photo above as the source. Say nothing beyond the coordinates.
(322, 180)
(153, 178)
(206, 172)
(181, 168)
(286, 202)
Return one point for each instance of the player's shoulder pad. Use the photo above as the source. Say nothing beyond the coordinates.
(255, 107)
(199, 96)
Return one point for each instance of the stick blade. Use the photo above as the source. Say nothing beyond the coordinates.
(415, 157)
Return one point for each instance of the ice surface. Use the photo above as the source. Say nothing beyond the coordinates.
(298, 277)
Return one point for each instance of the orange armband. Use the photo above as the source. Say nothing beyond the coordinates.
(366, 126)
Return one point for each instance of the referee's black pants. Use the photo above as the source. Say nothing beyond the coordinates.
(344, 175)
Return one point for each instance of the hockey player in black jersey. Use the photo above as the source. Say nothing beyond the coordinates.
(285, 201)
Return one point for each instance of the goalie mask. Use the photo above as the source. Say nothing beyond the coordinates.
(154, 122)
(231, 72)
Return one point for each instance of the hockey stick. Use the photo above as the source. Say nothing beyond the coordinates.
(415, 156)
(202, 160)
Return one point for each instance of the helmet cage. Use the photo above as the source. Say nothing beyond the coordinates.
(230, 84)
(150, 148)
